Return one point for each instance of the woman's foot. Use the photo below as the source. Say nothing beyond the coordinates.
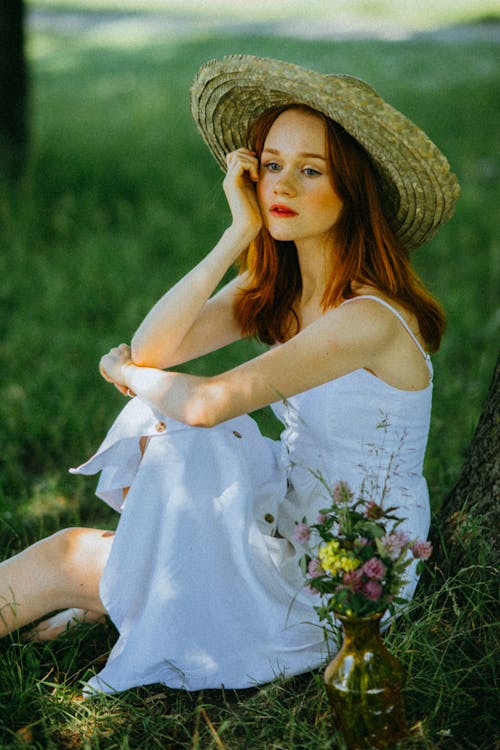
(53, 626)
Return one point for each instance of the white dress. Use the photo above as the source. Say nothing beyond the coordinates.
(203, 582)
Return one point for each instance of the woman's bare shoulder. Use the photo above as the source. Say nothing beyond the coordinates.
(396, 305)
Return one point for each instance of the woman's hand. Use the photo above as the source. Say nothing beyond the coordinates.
(239, 187)
(113, 365)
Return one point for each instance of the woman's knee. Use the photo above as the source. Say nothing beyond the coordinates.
(65, 545)
(81, 553)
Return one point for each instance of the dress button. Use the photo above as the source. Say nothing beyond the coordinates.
(269, 518)
(160, 427)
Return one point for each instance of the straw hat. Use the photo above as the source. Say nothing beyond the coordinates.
(418, 188)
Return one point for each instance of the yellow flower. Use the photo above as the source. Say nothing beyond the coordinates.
(336, 561)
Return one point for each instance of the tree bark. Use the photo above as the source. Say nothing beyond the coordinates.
(13, 88)
(470, 515)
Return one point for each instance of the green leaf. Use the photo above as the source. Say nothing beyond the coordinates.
(303, 563)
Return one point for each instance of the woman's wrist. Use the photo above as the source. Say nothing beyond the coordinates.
(177, 395)
(239, 238)
(128, 371)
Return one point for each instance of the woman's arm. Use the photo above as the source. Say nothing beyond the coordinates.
(183, 323)
(342, 340)
(176, 327)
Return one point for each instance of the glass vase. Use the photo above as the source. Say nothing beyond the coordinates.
(364, 684)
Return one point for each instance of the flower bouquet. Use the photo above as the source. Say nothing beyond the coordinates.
(356, 556)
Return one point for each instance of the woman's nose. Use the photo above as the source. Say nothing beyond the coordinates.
(284, 185)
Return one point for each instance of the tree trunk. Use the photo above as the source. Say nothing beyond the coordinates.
(470, 515)
(13, 88)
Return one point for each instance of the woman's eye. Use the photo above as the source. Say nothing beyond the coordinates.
(272, 166)
(310, 172)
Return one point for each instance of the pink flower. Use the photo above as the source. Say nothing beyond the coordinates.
(342, 493)
(321, 518)
(302, 533)
(372, 590)
(353, 579)
(422, 550)
(314, 568)
(394, 543)
(374, 569)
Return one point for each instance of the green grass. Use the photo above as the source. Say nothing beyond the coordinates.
(120, 198)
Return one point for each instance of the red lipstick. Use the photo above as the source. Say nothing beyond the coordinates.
(278, 209)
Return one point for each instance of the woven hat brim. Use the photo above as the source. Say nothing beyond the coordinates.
(418, 188)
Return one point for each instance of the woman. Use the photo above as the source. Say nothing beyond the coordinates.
(329, 188)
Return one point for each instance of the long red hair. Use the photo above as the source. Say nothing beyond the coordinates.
(366, 250)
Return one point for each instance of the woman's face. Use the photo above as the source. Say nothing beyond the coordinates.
(295, 192)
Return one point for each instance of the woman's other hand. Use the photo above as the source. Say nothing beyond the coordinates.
(113, 364)
(239, 187)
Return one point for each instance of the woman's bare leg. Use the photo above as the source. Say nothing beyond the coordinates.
(50, 628)
(60, 572)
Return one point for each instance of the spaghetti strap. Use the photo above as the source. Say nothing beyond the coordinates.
(400, 318)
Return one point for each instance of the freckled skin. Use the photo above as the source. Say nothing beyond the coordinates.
(291, 176)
